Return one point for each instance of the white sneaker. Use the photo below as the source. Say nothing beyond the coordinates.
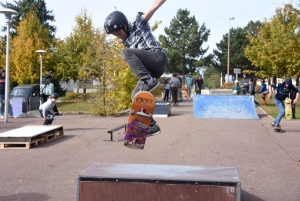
(1, 117)
(12, 116)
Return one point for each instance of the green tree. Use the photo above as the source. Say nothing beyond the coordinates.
(208, 73)
(275, 50)
(25, 66)
(238, 42)
(183, 42)
(71, 51)
(116, 78)
(23, 7)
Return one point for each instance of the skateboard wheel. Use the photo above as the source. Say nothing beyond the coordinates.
(142, 146)
(150, 116)
(132, 112)
(125, 142)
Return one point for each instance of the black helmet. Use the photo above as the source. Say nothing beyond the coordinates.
(115, 21)
(54, 95)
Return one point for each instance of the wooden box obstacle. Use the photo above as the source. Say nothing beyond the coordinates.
(135, 182)
(24, 137)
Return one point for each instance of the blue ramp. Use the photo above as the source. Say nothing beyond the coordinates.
(228, 107)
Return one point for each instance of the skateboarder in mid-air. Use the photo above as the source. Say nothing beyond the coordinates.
(283, 90)
(142, 52)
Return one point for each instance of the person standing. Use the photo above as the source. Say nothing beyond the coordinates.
(2, 95)
(292, 96)
(245, 84)
(175, 85)
(167, 88)
(263, 90)
(47, 87)
(189, 83)
(199, 83)
(142, 52)
(252, 91)
(283, 90)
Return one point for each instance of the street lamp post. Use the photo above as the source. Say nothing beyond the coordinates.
(228, 56)
(8, 13)
(41, 69)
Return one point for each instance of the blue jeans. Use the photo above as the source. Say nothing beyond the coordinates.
(280, 106)
(2, 98)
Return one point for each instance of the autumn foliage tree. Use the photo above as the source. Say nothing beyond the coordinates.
(116, 80)
(276, 48)
(25, 66)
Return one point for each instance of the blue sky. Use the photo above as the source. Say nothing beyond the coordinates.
(214, 13)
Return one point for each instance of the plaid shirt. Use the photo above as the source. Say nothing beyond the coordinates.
(141, 36)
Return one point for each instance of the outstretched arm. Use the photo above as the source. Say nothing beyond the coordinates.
(156, 4)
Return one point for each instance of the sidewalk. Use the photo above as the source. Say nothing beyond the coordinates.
(267, 162)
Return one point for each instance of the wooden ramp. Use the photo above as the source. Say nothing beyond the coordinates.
(24, 137)
(147, 182)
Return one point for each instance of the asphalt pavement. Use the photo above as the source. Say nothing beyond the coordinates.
(268, 163)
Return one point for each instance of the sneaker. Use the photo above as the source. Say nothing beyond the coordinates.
(12, 116)
(155, 130)
(273, 124)
(1, 117)
(144, 86)
(150, 87)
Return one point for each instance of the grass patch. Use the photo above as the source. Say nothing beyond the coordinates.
(78, 106)
(271, 107)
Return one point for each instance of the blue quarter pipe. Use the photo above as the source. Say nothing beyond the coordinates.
(228, 107)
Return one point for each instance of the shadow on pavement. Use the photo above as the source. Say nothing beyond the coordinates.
(249, 197)
(25, 197)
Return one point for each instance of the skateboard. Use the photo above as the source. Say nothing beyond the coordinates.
(279, 130)
(139, 119)
(288, 108)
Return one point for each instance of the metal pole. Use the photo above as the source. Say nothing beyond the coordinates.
(228, 56)
(41, 73)
(41, 52)
(7, 83)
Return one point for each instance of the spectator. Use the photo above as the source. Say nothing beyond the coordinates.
(175, 85)
(283, 90)
(236, 89)
(252, 91)
(189, 83)
(47, 87)
(263, 90)
(199, 83)
(167, 88)
(2, 95)
(245, 84)
(292, 96)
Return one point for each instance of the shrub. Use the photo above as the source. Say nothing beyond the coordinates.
(227, 86)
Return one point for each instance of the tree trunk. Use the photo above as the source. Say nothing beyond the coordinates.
(84, 91)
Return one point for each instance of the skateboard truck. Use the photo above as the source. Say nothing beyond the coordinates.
(141, 113)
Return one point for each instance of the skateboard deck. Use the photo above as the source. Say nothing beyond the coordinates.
(279, 130)
(139, 119)
(288, 108)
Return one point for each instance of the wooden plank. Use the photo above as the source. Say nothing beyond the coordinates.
(21, 145)
(47, 133)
